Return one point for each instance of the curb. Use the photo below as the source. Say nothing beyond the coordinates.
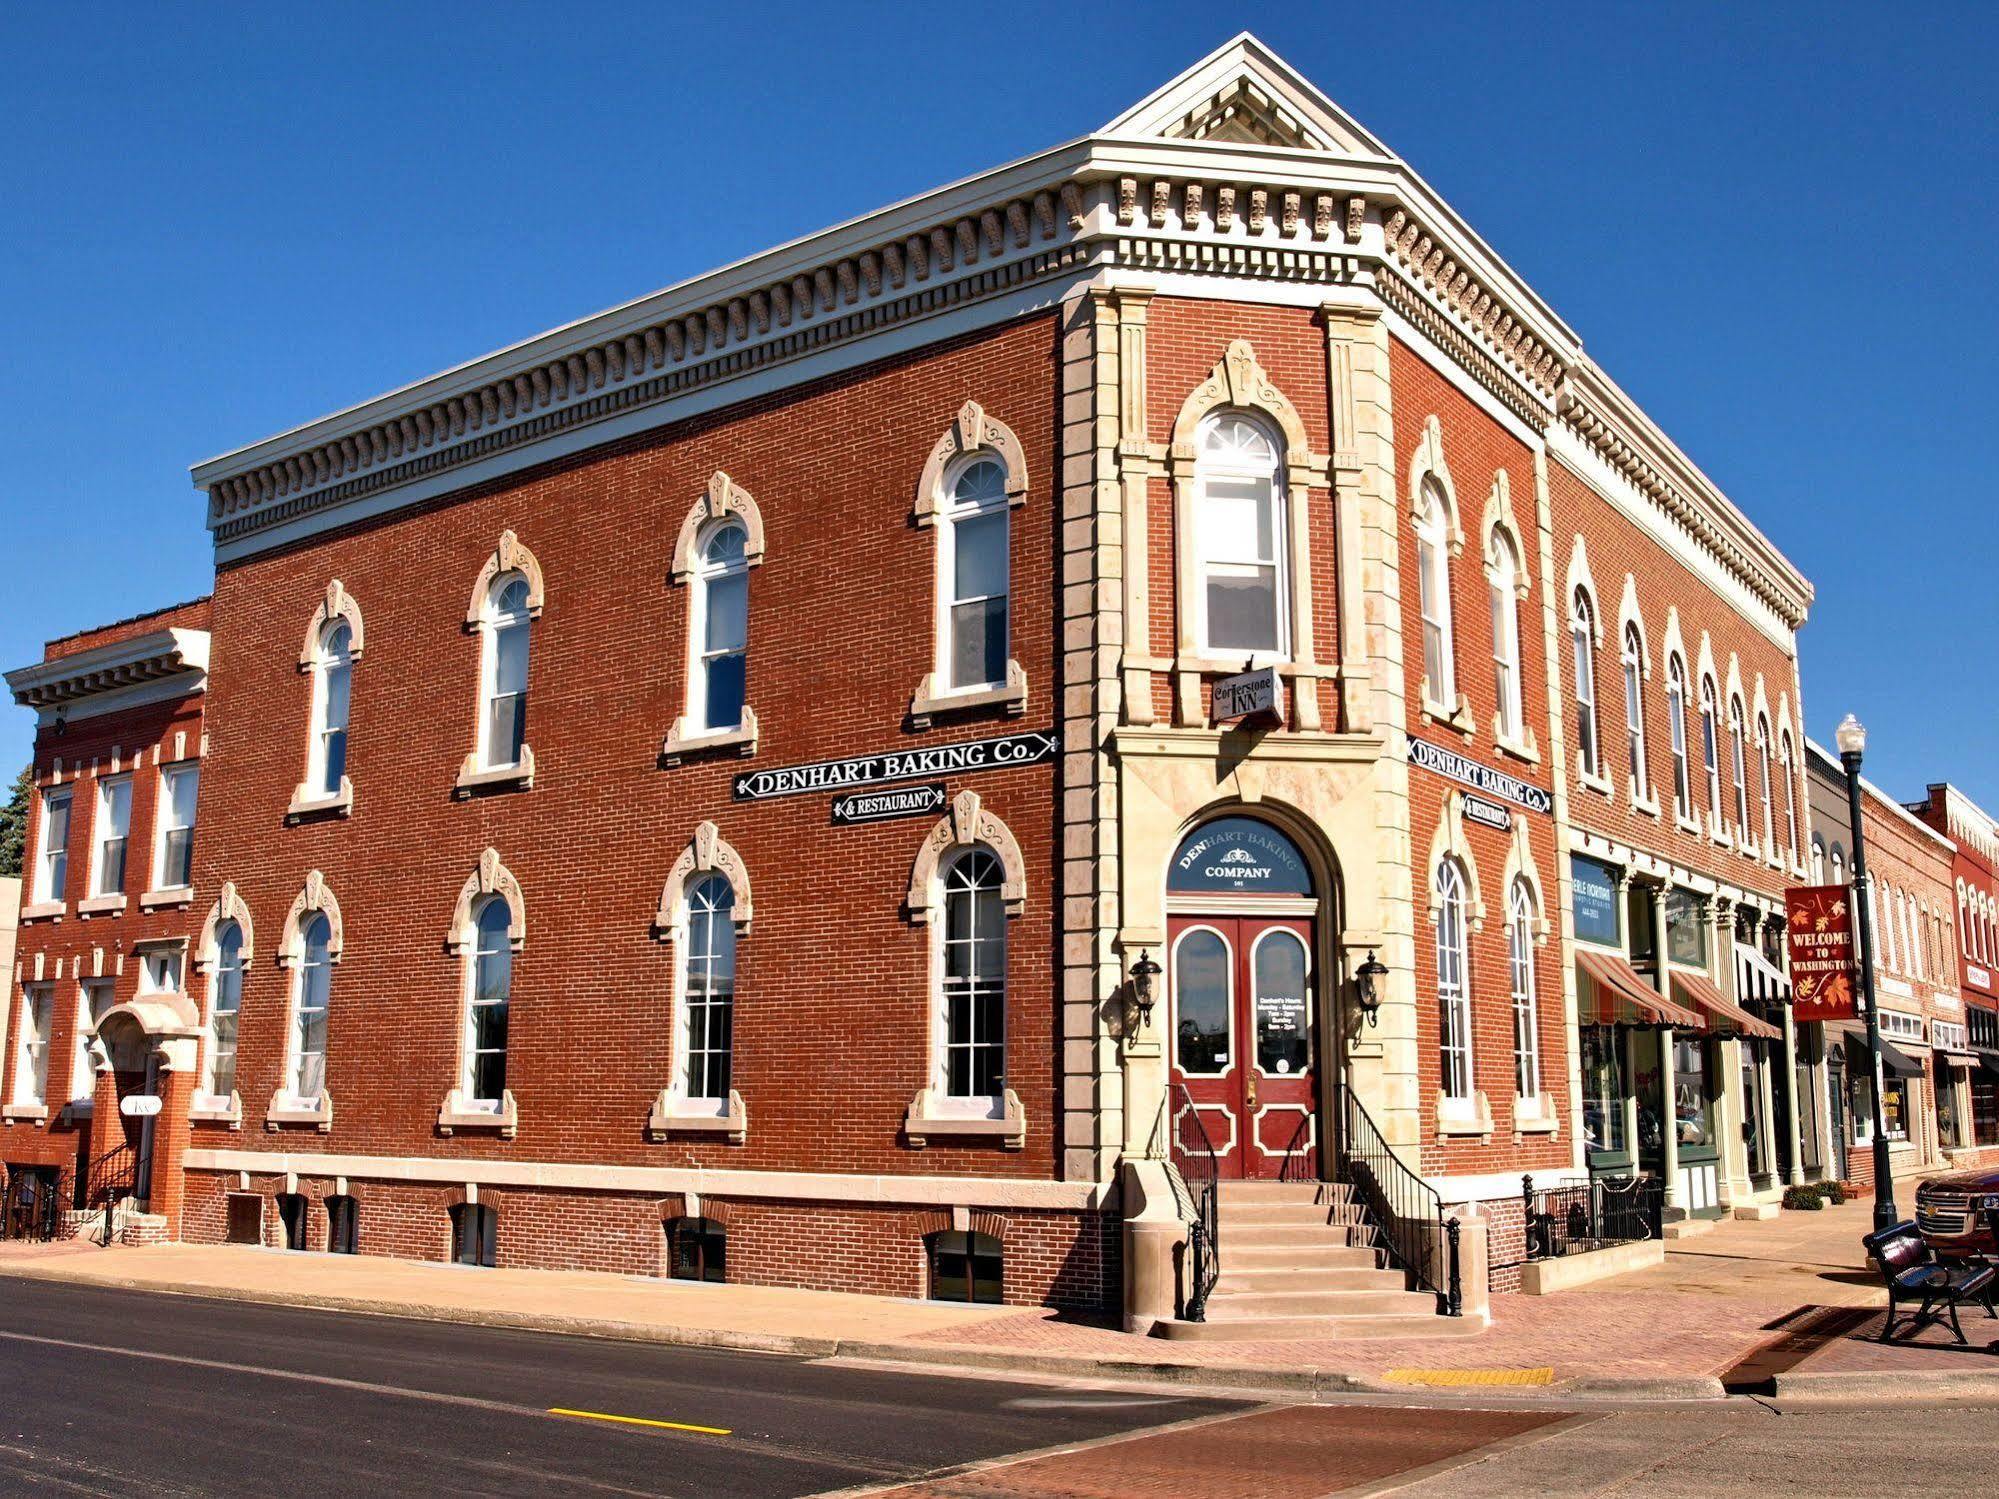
(1912, 1385)
(1670, 1387)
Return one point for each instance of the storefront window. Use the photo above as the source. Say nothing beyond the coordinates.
(1603, 1089)
(1894, 1108)
(1985, 1107)
(1947, 1116)
(1694, 1124)
(1638, 918)
(1686, 933)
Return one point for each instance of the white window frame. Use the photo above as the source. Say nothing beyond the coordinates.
(1208, 468)
(953, 512)
(689, 958)
(165, 826)
(322, 729)
(108, 788)
(210, 1100)
(470, 1099)
(1738, 736)
(31, 1048)
(706, 857)
(496, 624)
(951, 874)
(1589, 725)
(49, 890)
(1456, 1074)
(1763, 759)
(1432, 522)
(161, 969)
(1711, 755)
(1789, 763)
(705, 575)
(1525, 994)
(83, 1061)
(289, 1097)
(1632, 656)
(1676, 712)
(1505, 581)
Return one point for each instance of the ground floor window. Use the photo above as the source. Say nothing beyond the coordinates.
(475, 1234)
(343, 1225)
(1603, 1089)
(965, 1267)
(291, 1219)
(696, 1249)
(1985, 1107)
(1894, 1107)
(1694, 1119)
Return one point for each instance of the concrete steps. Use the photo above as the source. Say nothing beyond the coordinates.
(1298, 1261)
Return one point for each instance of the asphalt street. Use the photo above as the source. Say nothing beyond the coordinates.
(111, 1391)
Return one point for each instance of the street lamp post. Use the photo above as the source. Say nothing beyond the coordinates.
(1852, 740)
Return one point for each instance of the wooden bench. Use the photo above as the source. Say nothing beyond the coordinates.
(1937, 1289)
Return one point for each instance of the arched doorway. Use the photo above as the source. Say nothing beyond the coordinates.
(1242, 994)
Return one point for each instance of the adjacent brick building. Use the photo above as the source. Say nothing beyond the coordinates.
(1975, 893)
(737, 786)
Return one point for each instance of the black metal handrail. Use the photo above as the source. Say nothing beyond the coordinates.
(1404, 1211)
(112, 1178)
(1200, 1169)
(1578, 1216)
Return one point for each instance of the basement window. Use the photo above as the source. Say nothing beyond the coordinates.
(475, 1234)
(343, 1225)
(965, 1267)
(291, 1218)
(696, 1249)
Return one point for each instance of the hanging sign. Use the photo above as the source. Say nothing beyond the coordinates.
(139, 1106)
(1482, 778)
(896, 765)
(1818, 928)
(1478, 809)
(882, 806)
(1249, 694)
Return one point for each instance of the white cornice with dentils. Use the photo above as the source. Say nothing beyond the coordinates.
(152, 667)
(1039, 218)
(1835, 769)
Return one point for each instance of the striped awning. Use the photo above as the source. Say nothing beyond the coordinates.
(1758, 979)
(1694, 991)
(1624, 998)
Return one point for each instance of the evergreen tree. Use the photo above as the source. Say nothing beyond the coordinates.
(14, 825)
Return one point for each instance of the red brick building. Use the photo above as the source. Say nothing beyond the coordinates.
(1975, 901)
(847, 770)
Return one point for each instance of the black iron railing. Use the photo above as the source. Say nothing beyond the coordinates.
(1200, 1170)
(1576, 1217)
(1404, 1211)
(30, 1206)
(112, 1178)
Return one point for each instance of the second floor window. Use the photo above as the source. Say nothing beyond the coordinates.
(1676, 719)
(225, 1001)
(1634, 708)
(52, 857)
(332, 685)
(1433, 591)
(1763, 784)
(93, 1002)
(721, 626)
(706, 1027)
(31, 1048)
(1239, 538)
(1711, 754)
(173, 855)
(1582, 630)
(1505, 634)
(504, 700)
(1790, 798)
(1738, 758)
(114, 828)
(974, 530)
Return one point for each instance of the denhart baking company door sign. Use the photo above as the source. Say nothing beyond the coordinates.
(1481, 778)
(1005, 753)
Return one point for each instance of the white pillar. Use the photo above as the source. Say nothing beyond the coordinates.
(1669, 1121)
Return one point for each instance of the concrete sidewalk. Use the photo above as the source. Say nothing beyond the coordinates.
(1787, 1304)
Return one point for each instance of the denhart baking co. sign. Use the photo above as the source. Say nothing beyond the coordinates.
(1479, 777)
(897, 765)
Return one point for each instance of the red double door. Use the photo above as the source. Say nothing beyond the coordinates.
(1242, 995)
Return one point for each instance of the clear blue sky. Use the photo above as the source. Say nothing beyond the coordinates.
(1775, 227)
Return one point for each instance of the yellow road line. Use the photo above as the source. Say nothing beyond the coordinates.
(709, 1431)
(1447, 1377)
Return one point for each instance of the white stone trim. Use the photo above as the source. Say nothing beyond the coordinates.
(930, 1117)
(706, 852)
(968, 824)
(723, 499)
(314, 895)
(673, 1113)
(338, 604)
(1449, 841)
(973, 430)
(801, 1186)
(508, 556)
(491, 877)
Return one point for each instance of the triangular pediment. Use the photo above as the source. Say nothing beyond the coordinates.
(1242, 93)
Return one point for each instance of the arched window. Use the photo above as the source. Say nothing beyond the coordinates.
(1838, 865)
(225, 999)
(1788, 765)
(1738, 761)
(708, 991)
(1520, 968)
(332, 678)
(1453, 981)
(1433, 582)
(475, 1234)
(966, 1267)
(719, 624)
(1818, 860)
(1711, 752)
(1634, 708)
(489, 995)
(313, 996)
(503, 713)
(1763, 784)
(1676, 718)
(696, 1249)
(974, 977)
(973, 533)
(1239, 537)
(1506, 633)
(1582, 632)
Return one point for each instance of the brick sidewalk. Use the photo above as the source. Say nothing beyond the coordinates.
(1742, 1302)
